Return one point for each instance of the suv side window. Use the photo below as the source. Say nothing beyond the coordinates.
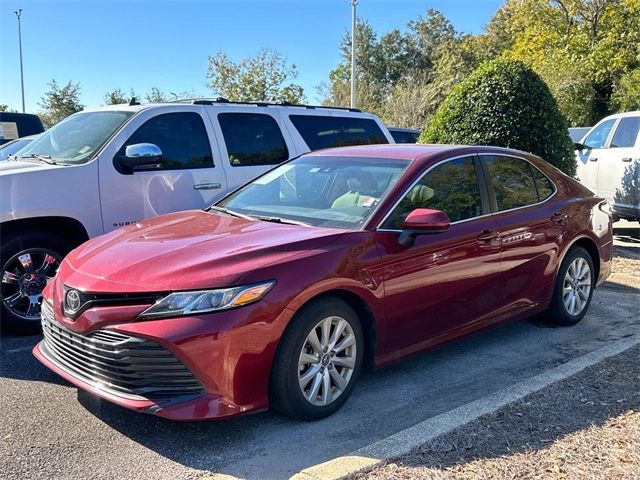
(326, 132)
(452, 187)
(626, 132)
(182, 137)
(598, 137)
(513, 182)
(252, 139)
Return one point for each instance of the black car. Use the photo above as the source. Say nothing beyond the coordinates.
(16, 125)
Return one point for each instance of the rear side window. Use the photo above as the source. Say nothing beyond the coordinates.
(543, 184)
(326, 132)
(451, 187)
(626, 132)
(182, 138)
(598, 137)
(252, 139)
(513, 182)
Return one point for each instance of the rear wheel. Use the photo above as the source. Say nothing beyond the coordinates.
(318, 361)
(573, 289)
(27, 263)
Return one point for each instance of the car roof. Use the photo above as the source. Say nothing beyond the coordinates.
(410, 151)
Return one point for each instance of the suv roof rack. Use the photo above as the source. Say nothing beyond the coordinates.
(212, 101)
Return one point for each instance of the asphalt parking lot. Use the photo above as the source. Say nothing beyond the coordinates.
(49, 429)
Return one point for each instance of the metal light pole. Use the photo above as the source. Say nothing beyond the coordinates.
(19, 14)
(353, 53)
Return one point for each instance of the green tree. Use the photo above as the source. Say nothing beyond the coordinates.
(504, 103)
(60, 102)
(264, 77)
(581, 48)
(118, 97)
(626, 94)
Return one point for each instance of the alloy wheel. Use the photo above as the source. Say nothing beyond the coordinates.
(23, 278)
(577, 286)
(327, 361)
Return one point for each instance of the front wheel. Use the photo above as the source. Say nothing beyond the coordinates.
(573, 289)
(318, 361)
(27, 261)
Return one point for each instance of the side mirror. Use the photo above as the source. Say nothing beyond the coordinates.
(580, 147)
(422, 221)
(139, 155)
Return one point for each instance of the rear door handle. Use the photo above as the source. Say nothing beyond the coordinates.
(207, 186)
(487, 236)
(559, 217)
(593, 159)
(626, 159)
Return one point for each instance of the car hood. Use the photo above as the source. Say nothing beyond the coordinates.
(8, 167)
(185, 251)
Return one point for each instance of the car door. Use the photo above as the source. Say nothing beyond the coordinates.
(252, 142)
(446, 280)
(531, 226)
(188, 176)
(588, 159)
(618, 165)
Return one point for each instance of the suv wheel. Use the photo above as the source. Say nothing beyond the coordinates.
(318, 361)
(27, 262)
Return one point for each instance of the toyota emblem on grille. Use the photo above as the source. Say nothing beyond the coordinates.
(72, 301)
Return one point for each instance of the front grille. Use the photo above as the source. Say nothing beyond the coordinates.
(120, 364)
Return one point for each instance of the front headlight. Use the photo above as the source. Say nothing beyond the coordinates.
(204, 301)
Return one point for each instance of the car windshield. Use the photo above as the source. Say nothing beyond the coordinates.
(12, 148)
(77, 138)
(340, 192)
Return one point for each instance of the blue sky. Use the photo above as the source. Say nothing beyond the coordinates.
(166, 44)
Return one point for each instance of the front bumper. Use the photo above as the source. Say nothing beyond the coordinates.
(229, 354)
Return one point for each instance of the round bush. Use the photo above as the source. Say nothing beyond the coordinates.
(506, 104)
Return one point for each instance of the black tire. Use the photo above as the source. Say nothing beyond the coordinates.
(13, 245)
(558, 314)
(285, 394)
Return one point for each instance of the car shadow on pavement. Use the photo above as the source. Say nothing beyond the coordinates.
(505, 443)
(17, 361)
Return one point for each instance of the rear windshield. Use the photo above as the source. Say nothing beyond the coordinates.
(327, 132)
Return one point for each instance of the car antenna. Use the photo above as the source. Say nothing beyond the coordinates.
(133, 101)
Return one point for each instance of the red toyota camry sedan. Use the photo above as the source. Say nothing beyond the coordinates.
(280, 294)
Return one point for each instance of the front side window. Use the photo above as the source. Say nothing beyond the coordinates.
(326, 132)
(182, 137)
(324, 191)
(626, 133)
(252, 139)
(451, 187)
(513, 182)
(77, 138)
(598, 137)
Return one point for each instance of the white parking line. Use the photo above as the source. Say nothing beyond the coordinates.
(16, 350)
(406, 440)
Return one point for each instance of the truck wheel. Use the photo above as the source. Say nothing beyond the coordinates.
(27, 262)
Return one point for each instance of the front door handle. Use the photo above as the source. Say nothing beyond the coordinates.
(593, 159)
(207, 186)
(559, 217)
(626, 159)
(487, 236)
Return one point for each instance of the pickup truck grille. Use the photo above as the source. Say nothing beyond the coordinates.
(120, 364)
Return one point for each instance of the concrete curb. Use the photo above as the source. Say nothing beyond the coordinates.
(406, 440)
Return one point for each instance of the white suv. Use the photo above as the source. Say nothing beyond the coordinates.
(101, 169)
(609, 163)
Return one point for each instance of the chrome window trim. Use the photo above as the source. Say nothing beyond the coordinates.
(406, 192)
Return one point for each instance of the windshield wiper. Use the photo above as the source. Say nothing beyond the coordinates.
(230, 212)
(280, 220)
(42, 158)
